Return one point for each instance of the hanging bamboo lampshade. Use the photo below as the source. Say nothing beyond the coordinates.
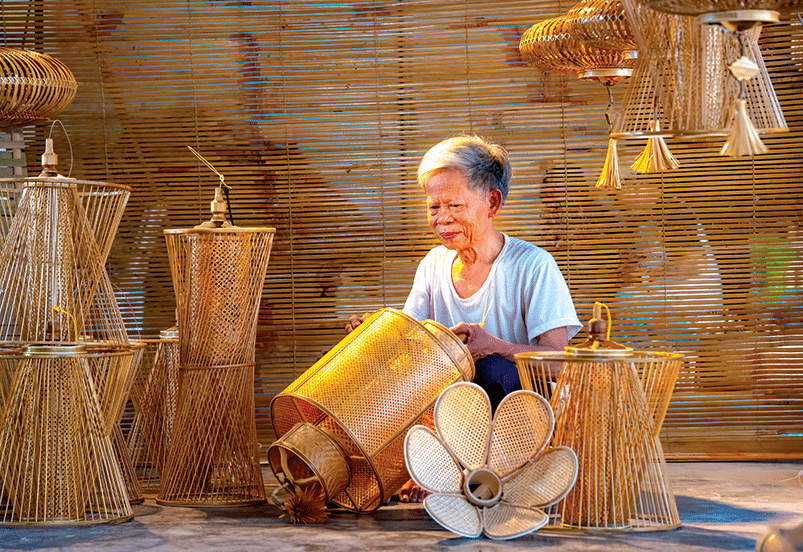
(609, 403)
(341, 424)
(218, 272)
(601, 24)
(682, 80)
(732, 14)
(33, 87)
(550, 46)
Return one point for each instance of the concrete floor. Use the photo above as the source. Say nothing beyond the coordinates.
(723, 506)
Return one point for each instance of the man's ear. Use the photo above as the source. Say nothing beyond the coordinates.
(495, 201)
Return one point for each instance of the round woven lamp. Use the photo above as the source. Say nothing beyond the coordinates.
(341, 424)
(33, 87)
(551, 46)
(601, 24)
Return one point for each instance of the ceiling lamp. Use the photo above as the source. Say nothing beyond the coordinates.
(551, 46)
(33, 87)
(601, 24)
(681, 87)
(734, 15)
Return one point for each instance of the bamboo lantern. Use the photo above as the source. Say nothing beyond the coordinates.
(341, 424)
(732, 14)
(33, 87)
(489, 474)
(609, 404)
(154, 399)
(681, 87)
(218, 271)
(57, 292)
(58, 465)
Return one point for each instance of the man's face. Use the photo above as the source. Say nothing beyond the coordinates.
(457, 215)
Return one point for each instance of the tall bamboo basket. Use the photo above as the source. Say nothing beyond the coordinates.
(218, 272)
(57, 465)
(341, 425)
(154, 399)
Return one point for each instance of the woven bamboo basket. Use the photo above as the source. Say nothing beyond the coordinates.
(218, 273)
(33, 87)
(154, 400)
(58, 464)
(609, 407)
(341, 424)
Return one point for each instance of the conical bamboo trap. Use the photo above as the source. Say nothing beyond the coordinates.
(341, 424)
(218, 271)
(58, 465)
(154, 399)
(609, 408)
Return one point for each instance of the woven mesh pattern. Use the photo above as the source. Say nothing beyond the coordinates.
(551, 47)
(154, 397)
(507, 521)
(213, 456)
(545, 480)
(429, 463)
(605, 416)
(601, 24)
(455, 514)
(218, 277)
(511, 446)
(463, 418)
(35, 87)
(378, 382)
(10, 192)
(57, 465)
(682, 80)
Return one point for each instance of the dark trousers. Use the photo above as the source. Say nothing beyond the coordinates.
(498, 376)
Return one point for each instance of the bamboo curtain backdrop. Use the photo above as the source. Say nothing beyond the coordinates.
(317, 114)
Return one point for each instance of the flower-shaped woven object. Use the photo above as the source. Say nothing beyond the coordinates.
(489, 474)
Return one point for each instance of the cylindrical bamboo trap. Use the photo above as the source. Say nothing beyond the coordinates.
(341, 424)
(218, 272)
(58, 465)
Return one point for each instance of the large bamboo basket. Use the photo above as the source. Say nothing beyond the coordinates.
(58, 465)
(213, 457)
(341, 424)
(609, 408)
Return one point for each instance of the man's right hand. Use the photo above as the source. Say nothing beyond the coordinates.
(355, 320)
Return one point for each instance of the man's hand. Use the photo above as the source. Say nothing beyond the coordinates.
(355, 320)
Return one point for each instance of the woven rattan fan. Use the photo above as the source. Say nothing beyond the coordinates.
(488, 474)
(341, 424)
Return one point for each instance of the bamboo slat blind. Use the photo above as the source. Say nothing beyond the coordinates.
(317, 113)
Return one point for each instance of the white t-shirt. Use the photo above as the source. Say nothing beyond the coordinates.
(523, 296)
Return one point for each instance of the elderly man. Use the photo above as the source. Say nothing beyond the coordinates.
(506, 295)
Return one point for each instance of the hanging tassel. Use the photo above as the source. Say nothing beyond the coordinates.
(305, 505)
(743, 139)
(609, 179)
(656, 156)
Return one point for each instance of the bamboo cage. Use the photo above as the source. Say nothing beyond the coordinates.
(341, 425)
(218, 272)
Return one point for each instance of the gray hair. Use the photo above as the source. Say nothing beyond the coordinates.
(485, 165)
